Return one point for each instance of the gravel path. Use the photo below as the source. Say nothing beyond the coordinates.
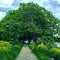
(26, 54)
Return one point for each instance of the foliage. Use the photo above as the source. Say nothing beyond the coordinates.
(46, 40)
(29, 21)
(55, 53)
(57, 39)
(42, 46)
(40, 50)
(5, 46)
(11, 54)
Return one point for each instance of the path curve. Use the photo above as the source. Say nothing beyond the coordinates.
(26, 54)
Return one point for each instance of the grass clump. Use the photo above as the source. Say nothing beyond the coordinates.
(9, 51)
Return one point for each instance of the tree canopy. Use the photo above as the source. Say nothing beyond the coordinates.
(29, 21)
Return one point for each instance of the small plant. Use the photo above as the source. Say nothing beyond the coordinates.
(5, 46)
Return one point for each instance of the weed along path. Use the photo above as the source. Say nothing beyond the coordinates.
(26, 54)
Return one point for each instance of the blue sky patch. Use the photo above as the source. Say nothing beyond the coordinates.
(51, 5)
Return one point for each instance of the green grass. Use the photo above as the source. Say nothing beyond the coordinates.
(40, 55)
(45, 53)
(12, 53)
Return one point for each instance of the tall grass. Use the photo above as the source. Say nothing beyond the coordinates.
(45, 53)
(12, 53)
(40, 54)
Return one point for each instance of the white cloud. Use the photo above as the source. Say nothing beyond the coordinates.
(6, 3)
(48, 4)
(2, 14)
(26, 1)
(57, 15)
(40, 2)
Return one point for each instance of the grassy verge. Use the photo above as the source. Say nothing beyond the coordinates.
(40, 55)
(12, 53)
(45, 53)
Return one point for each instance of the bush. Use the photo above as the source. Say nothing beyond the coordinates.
(40, 51)
(42, 46)
(55, 53)
(43, 52)
(5, 46)
(11, 53)
(46, 40)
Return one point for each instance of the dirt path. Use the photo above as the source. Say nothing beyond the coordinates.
(26, 54)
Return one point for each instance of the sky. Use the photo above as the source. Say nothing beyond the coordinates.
(51, 5)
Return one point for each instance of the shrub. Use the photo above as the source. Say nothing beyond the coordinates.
(56, 50)
(46, 53)
(9, 51)
(32, 46)
(5, 46)
(46, 40)
(55, 53)
(42, 46)
(40, 51)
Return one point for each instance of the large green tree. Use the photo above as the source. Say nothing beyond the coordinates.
(29, 21)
